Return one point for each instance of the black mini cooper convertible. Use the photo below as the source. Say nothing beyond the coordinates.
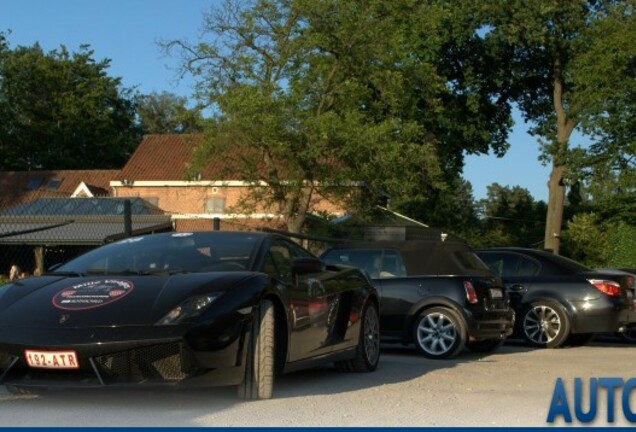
(208, 308)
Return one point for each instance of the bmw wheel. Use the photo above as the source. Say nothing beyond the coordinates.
(439, 333)
(544, 324)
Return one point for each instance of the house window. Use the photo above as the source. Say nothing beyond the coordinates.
(34, 183)
(54, 184)
(215, 205)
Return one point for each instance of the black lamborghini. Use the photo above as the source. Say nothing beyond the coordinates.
(207, 309)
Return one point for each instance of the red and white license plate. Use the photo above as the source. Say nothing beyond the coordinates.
(51, 359)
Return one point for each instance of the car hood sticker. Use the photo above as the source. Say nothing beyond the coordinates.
(92, 294)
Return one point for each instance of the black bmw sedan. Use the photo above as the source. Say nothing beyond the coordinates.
(559, 301)
(206, 309)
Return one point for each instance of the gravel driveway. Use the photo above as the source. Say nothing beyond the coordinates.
(512, 387)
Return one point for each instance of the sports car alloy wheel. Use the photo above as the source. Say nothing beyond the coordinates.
(545, 325)
(368, 351)
(259, 368)
(439, 333)
(371, 335)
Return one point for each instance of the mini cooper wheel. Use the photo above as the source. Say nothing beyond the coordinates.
(439, 333)
(484, 346)
(368, 350)
(258, 382)
(544, 324)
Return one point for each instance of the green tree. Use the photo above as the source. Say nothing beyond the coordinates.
(545, 43)
(510, 217)
(163, 113)
(607, 169)
(308, 94)
(62, 111)
(452, 208)
(587, 239)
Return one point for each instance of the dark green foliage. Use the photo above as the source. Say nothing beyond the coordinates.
(61, 110)
(451, 208)
(623, 250)
(166, 113)
(510, 217)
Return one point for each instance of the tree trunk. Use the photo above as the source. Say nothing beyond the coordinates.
(556, 202)
(556, 184)
(297, 208)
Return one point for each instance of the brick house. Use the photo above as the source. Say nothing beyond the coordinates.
(157, 173)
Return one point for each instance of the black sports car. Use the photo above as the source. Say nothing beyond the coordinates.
(207, 308)
(559, 301)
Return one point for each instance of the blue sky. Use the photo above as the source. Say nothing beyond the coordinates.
(127, 31)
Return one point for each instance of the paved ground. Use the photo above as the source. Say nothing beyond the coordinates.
(512, 387)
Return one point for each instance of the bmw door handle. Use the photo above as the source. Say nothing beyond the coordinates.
(517, 288)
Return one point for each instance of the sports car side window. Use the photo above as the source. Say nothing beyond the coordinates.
(282, 258)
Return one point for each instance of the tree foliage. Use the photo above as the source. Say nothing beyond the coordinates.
(387, 94)
(510, 217)
(60, 110)
(554, 52)
(165, 113)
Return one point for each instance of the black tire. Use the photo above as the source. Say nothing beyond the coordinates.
(578, 339)
(19, 390)
(544, 324)
(484, 346)
(259, 366)
(439, 333)
(368, 349)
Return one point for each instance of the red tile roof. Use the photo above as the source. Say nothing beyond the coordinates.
(167, 157)
(17, 187)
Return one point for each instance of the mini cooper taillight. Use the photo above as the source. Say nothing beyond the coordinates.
(471, 294)
(608, 287)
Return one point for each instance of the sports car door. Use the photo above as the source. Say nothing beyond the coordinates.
(308, 304)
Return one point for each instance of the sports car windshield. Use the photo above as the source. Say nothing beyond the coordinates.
(168, 254)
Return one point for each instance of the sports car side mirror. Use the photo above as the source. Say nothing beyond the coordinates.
(307, 265)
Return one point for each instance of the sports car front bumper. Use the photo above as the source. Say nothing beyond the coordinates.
(154, 355)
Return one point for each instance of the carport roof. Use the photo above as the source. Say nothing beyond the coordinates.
(76, 221)
(73, 230)
(81, 206)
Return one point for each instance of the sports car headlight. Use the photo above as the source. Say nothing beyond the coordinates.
(189, 308)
